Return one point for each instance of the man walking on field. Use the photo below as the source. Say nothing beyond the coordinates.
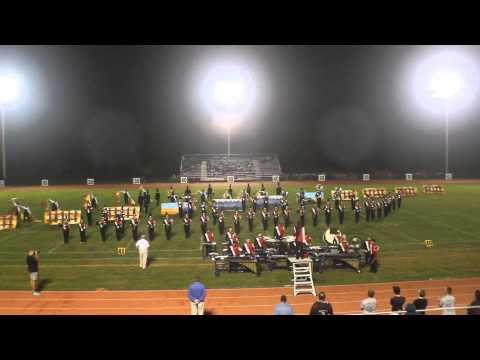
(142, 246)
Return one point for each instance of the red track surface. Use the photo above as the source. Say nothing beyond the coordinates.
(253, 301)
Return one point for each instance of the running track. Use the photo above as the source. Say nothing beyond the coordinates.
(252, 301)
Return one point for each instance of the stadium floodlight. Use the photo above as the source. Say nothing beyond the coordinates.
(446, 83)
(228, 93)
(8, 94)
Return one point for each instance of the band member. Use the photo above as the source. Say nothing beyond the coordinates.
(286, 217)
(230, 191)
(279, 232)
(187, 192)
(146, 202)
(254, 204)
(190, 210)
(368, 213)
(102, 224)
(315, 212)
(203, 196)
(94, 201)
(249, 248)
(105, 213)
(209, 241)
(140, 199)
(214, 214)
(210, 192)
(344, 245)
(262, 188)
(244, 200)
(275, 216)
(236, 222)
(328, 213)
(300, 239)
(157, 196)
(302, 216)
(88, 211)
(186, 226)
(125, 197)
(368, 246)
(118, 228)
(55, 205)
(221, 223)
(278, 189)
(261, 242)
(265, 201)
(318, 198)
(180, 209)
(204, 222)
(337, 197)
(301, 197)
(357, 211)
(134, 223)
(341, 213)
(399, 199)
(372, 205)
(265, 218)
(379, 206)
(27, 214)
(230, 236)
(167, 224)
(83, 231)
(353, 201)
(151, 224)
(234, 249)
(66, 231)
(250, 217)
(337, 238)
(374, 257)
(385, 208)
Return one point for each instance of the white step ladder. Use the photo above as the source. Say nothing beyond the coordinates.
(302, 277)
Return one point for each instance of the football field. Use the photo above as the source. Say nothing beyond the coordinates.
(450, 220)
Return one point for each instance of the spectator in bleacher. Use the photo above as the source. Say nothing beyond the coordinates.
(421, 302)
(369, 305)
(321, 306)
(283, 308)
(397, 301)
(411, 310)
(476, 302)
(448, 301)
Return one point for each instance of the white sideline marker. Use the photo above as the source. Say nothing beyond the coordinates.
(44, 182)
(230, 179)
(275, 178)
(366, 177)
(322, 177)
(409, 177)
(183, 180)
(136, 181)
(448, 176)
(90, 182)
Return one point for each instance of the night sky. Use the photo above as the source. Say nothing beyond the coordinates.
(114, 112)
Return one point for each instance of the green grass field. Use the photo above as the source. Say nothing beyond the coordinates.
(450, 220)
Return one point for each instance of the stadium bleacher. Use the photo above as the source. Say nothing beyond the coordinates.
(216, 167)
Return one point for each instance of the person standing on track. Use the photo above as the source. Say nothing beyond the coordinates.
(448, 301)
(321, 306)
(283, 308)
(421, 302)
(142, 245)
(32, 264)
(196, 295)
(397, 301)
(369, 305)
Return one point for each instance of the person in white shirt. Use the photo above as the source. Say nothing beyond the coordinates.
(369, 305)
(448, 301)
(142, 246)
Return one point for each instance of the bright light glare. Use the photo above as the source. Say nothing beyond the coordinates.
(445, 81)
(446, 85)
(228, 91)
(8, 89)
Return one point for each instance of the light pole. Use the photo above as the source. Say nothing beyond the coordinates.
(8, 94)
(4, 153)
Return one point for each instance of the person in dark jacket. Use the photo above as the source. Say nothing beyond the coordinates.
(421, 302)
(476, 302)
(397, 301)
(321, 306)
(410, 310)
